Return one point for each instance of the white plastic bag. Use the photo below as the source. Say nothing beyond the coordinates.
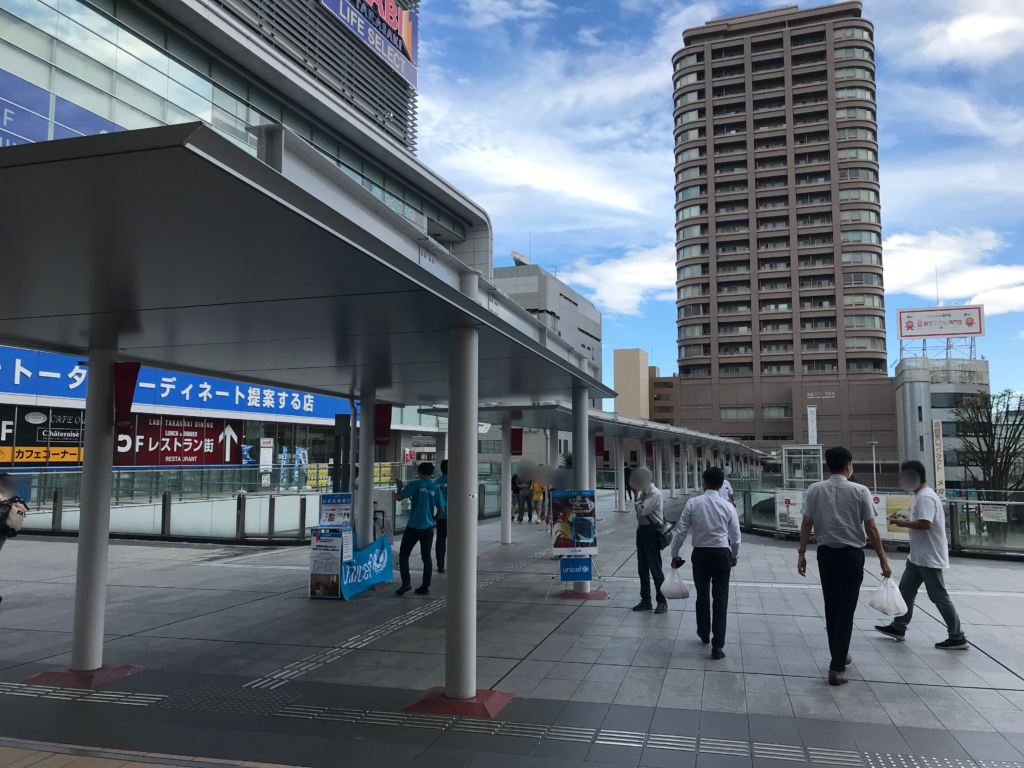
(888, 600)
(674, 588)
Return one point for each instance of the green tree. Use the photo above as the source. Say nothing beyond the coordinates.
(567, 459)
(991, 432)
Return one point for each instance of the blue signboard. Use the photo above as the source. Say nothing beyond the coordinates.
(45, 374)
(576, 569)
(394, 36)
(369, 566)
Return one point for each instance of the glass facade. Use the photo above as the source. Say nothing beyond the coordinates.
(70, 69)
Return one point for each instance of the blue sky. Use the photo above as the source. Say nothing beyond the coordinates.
(556, 117)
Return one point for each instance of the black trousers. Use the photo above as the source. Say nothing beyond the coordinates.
(842, 571)
(413, 536)
(648, 562)
(711, 569)
(442, 541)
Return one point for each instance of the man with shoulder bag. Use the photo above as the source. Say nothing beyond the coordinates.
(12, 509)
(650, 538)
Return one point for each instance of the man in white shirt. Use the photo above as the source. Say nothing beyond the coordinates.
(929, 557)
(843, 520)
(650, 517)
(716, 546)
(726, 492)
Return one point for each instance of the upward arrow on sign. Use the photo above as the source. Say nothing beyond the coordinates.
(226, 437)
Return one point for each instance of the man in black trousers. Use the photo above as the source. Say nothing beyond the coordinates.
(716, 545)
(843, 520)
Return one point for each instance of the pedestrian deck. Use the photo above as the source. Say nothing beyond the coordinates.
(217, 629)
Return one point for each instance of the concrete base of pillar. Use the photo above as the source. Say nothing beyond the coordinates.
(485, 704)
(571, 595)
(67, 678)
(622, 512)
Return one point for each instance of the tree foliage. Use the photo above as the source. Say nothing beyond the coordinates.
(991, 432)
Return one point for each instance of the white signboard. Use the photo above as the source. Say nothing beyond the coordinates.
(992, 513)
(336, 510)
(942, 322)
(812, 425)
(940, 458)
(789, 509)
(266, 454)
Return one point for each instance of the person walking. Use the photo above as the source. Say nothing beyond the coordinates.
(442, 516)
(726, 491)
(843, 520)
(929, 557)
(628, 470)
(538, 498)
(716, 547)
(419, 529)
(12, 509)
(650, 518)
(525, 501)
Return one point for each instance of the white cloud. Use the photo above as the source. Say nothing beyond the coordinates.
(949, 112)
(955, 265)
(1001, 300)
(620, 286)
(484, 13)
(974, 34)
(588, 36)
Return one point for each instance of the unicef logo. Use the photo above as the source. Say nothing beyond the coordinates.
(378, 560)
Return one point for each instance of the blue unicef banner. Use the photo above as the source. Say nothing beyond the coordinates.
(368, 566)
(32, 374)
(576, 569)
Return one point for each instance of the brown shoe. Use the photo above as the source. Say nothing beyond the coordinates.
(836, 678)
(849, 659)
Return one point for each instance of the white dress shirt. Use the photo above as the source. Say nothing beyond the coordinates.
(713, 522)
(650, 507)
(726, 491)
(839, 510)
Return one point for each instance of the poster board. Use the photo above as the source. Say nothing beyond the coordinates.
(993, 512)
(886, 505)
(789, 509)
(336, 509)
(574, 531)
(326, 550)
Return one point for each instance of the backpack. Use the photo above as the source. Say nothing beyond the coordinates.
(12, 516)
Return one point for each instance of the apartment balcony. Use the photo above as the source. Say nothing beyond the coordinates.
(731, 208)
(775, 183)
(815, 159)
(769, 85)
(734, 229)
(731, 351)
(817, 262)
(734, 268)
(816, 79)
(765, 165)
(811, 242)
(733, 289)
(734, 309)
(727, 53)
(773, 205)
(765, 145)
(770, 126)
(730, 189)
(817, 282)
(823, 199)
(770, 107)
(816, 221)
(773, 266)
(760, 70)
(730, 151)
(773, 225)
(730, 130)
(810, 119)
(781, 245)
(727, 249)
(729, 110)
(726, 93)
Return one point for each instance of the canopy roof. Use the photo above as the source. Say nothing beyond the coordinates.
(180, 250)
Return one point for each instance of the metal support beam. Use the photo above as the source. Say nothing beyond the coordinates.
(94, 521)
(505, 494)
(463, 405)
(367, 444)
(672, 469)
(580, 451)
(620, 475)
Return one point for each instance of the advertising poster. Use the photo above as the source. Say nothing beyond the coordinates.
(336, 509)
(575, 527)
(789, 509)
(325, 553)
(896, 506)
(992, 513)
(576, 569)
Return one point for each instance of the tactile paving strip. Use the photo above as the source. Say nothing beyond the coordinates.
(724, 747)
(82, 694)
(779, 752)
(835, 757)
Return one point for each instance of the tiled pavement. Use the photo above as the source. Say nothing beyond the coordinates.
(206, 621)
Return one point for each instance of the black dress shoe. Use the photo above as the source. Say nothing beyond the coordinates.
(704, 640)
(402, 590)
(423, 591)
(643, 606)
(717, 653)
(662, 608)
(440, 569)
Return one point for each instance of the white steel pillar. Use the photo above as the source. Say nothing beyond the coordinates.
(553, 457)
(696, 468)
(684, 465)
(580, 451)
(592, 462)
(505, 494)
(672, 469)
(463, 413)
(367, 449)
(659, 479)
(620, 474)
(94, 524)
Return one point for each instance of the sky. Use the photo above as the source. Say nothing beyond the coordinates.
(557, 118)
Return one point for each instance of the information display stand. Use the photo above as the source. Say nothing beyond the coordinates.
(329, 548)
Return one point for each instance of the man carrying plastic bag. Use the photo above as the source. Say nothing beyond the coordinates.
(929, 556)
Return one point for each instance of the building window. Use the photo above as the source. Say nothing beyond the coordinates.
(632, 457)
(694, 371)
(861, 236)
(865, 342)
(863, 300)
(842, 33)
(693, 172)
(774, 369)
(859, 73)
(862, 278)
(862, 174)
(689, 291)
(488, 446)
(858, 153)
(663, 409)
(861, 214)
(688, 61)
(694, 230)
(855, 113)
(736, 413)
(736, 370)
(687, 192)
(855, 93)
(694, 350)
(694, 153)
(863, 134)
(689, 251)
(867, 195)
(689, 117)
(865, 321)
(862, 257)
(692, 210)
(865, 366)
(855, 52)
(690, 331)
(821, 366)
(920, 443)
(688, 78)
(690, 98)
(693, 270)
(662, 385)
(777, 411)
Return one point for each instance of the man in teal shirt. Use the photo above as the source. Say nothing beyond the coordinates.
(425, 498)
(442, 516)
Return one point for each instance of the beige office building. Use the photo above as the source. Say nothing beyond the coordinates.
(779, 257)
(631, 383)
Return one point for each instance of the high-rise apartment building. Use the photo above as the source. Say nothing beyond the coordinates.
(779, 257)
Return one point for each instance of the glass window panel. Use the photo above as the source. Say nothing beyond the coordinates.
(189, 101)
(146, 27)
(89, 18)
(190, 80)
(27, 68)
(132, 119)
(84, 67)
(230, 125)
(26, 37)
(40, 16)
(88, 43)
(176, 115)
(141, 73)
(142, 50)
(140, 98)
(82, 95)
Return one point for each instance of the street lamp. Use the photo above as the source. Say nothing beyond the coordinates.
(874, 465)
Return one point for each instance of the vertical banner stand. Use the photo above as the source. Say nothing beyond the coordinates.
(591, 568)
